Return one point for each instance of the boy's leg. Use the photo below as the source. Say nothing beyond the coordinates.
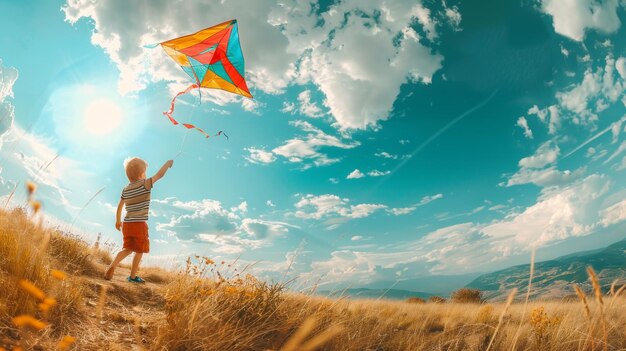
(120, 256)
(135, 266)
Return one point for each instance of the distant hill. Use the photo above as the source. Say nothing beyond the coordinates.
(554, 278)
(364, 293)
(434, 284)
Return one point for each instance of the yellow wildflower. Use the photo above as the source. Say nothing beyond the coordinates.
(32, 289)
(66, 342)
(58, 274)
(36, 205)
(28, 320)
(31, 187)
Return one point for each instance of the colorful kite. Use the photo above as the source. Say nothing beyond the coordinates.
(212, 57)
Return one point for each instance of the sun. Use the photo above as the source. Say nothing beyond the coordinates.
(102, 117)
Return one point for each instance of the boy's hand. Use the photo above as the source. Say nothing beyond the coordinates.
(167, 165)
(118, 225)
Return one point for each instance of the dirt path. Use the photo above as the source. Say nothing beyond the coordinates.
(122, 317)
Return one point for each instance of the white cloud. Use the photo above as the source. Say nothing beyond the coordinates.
(241, 208)
(205, 216)
(577, 99)
(614, 214)
(540, 113)
(549, 116)
(616, 129)
(262, 229)
(283, 44)
(308, 148)
(425, 19)
(497, 207)
(430, 198)
(620, 66)
(259, 156)
(348, 82)
(30, 157)
(166, 20)
(399, 211)
(108, 206)
(523, 123)
(305, 106)
(229, 244)
(356, 95)
(620, 149)
(269, 203)
(571, 18)
(406, 210)
(543, 177)
(357, 238)
(603, 85)
(252, 105)
(385, 154)
(8, 76)
(611, 127)
(308, 107)
(323, 206)
(344, 265)
(288, 107)
(64, 186)
(558, 214)
(450, 248)
(356, 174)
(208, 221)
(316, 207)
(546, 154)
(533, 168)
(377, 173)
(362, 210)
(454, 16)
(622, 166)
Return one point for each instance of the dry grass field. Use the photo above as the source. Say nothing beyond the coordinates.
(53, 297)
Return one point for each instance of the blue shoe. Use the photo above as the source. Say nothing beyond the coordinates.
(137, 279)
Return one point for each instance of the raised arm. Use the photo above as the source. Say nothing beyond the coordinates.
(167, 165)
(118, 215)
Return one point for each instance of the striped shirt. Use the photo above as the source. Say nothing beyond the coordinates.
(136, 196)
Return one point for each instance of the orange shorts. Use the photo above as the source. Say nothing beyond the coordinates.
(136, 236)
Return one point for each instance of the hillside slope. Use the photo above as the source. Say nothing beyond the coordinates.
(554, 278)
(65, 305)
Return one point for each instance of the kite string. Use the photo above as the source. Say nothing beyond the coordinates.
(168, 113)
(182, 144)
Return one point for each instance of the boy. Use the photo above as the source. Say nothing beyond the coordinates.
(136, 197)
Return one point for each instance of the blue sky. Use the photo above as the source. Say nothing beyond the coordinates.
(386, 140)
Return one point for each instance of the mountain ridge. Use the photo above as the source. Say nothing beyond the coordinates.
(554, 278)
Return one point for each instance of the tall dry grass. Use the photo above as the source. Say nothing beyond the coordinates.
(245, 314)
(212, 306)
(40, 271)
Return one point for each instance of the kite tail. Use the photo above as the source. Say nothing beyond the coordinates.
(187, 125)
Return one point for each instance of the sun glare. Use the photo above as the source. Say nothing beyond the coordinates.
(102, 117)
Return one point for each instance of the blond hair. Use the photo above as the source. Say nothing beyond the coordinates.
(135, 167)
